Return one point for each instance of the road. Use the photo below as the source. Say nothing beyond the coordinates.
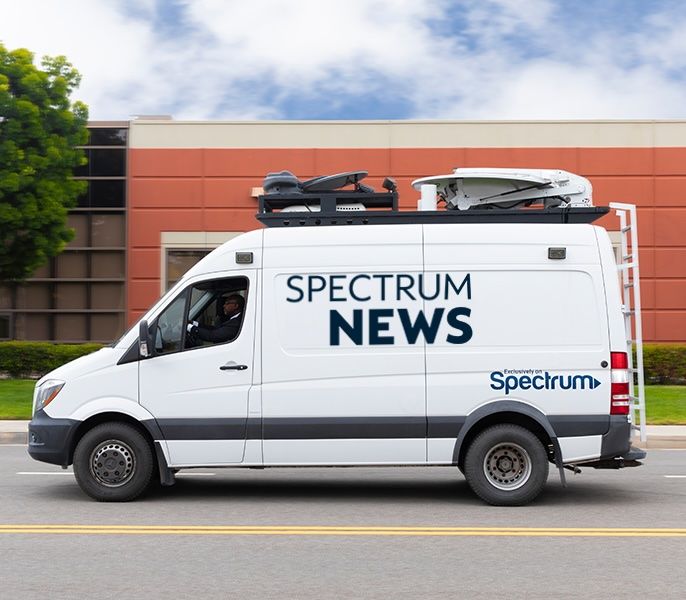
(373, 533)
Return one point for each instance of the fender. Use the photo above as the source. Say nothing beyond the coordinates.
(120, 405)
(130, 408)
(54, 436)
(106, 404)
(512, 406)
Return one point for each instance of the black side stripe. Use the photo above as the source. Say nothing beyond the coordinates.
(445, 427)
(326, 428)
(204, 429)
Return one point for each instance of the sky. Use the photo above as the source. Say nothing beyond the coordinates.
(364, 59)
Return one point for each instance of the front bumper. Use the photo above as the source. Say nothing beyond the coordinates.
(50, 439)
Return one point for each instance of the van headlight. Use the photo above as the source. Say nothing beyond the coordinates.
(46, 393)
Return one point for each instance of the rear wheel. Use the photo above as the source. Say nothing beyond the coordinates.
(506, 465)
(113, 462)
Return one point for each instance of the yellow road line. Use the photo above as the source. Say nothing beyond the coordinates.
(315, 530)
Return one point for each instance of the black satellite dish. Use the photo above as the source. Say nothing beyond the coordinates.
(328, 183)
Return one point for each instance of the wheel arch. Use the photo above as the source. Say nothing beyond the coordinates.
(148, 428)
(505, 412)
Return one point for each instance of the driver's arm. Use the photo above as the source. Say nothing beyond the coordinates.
(225, 332)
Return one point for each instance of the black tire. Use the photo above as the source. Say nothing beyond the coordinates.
(506, 465)
(113, 462)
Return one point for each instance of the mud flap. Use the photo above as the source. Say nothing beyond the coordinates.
(167, 478)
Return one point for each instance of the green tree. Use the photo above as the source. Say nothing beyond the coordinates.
(39, 131)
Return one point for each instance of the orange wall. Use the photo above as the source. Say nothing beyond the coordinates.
(209, 190)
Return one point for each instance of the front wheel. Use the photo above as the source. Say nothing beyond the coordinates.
(506, 465)
(113, 462)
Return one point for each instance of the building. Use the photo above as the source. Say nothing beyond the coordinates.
(190, 187)
(80, 295)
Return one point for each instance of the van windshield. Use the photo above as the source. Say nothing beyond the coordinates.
(162, 300)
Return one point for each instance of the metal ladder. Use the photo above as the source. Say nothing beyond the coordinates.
(631, 307)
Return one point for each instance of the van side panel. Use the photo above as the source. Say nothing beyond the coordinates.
(580, 448)
(538, 331)
(612, 291)
(341, 382)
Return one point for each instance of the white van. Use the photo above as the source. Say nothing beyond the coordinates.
(496, 347)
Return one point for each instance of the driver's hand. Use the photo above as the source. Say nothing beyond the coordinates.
(192, 327)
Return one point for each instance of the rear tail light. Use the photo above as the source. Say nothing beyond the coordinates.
(619, 360)
(620, 401)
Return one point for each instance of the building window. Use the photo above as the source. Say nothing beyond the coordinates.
(107, 136)
(179, 261)
(103, 162)
(5, 326)
(183, 249)
(104, 193)
(108, 265)
(79, 296)
(108, 230)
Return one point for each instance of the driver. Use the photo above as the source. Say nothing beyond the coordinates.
(228, 328)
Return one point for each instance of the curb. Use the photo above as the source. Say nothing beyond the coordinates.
(659, 442)
(7, 437)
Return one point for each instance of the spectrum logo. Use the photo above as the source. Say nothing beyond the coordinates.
(541, 380)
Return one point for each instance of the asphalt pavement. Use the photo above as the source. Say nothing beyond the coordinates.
(343, 533)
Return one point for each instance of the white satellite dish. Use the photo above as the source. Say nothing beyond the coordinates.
(510, 188)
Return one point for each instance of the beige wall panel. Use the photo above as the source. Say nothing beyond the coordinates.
(669, 134)
(505, 134)
(406, 134)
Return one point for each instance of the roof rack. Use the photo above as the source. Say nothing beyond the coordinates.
(469, 195)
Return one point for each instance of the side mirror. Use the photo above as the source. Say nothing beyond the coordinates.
(146, 347)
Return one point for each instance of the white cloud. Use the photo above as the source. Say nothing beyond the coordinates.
(307, 39)
(571, 70)
(105, 46)
(546, 90)
(490, 59)
(493, 19)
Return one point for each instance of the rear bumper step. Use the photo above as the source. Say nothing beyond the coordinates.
(630, 458)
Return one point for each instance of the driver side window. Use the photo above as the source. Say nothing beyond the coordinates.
(205, 314)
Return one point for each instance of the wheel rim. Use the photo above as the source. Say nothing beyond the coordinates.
(112, 463)
(507, 466)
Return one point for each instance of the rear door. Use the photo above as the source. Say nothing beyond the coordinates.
(527, 328)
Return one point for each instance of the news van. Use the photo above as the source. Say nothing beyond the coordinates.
(493, 335)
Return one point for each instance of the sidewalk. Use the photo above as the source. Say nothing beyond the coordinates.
(659, 436)
(664, 436)
(13, 432)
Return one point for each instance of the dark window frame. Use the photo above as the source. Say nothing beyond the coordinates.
(187, 292)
